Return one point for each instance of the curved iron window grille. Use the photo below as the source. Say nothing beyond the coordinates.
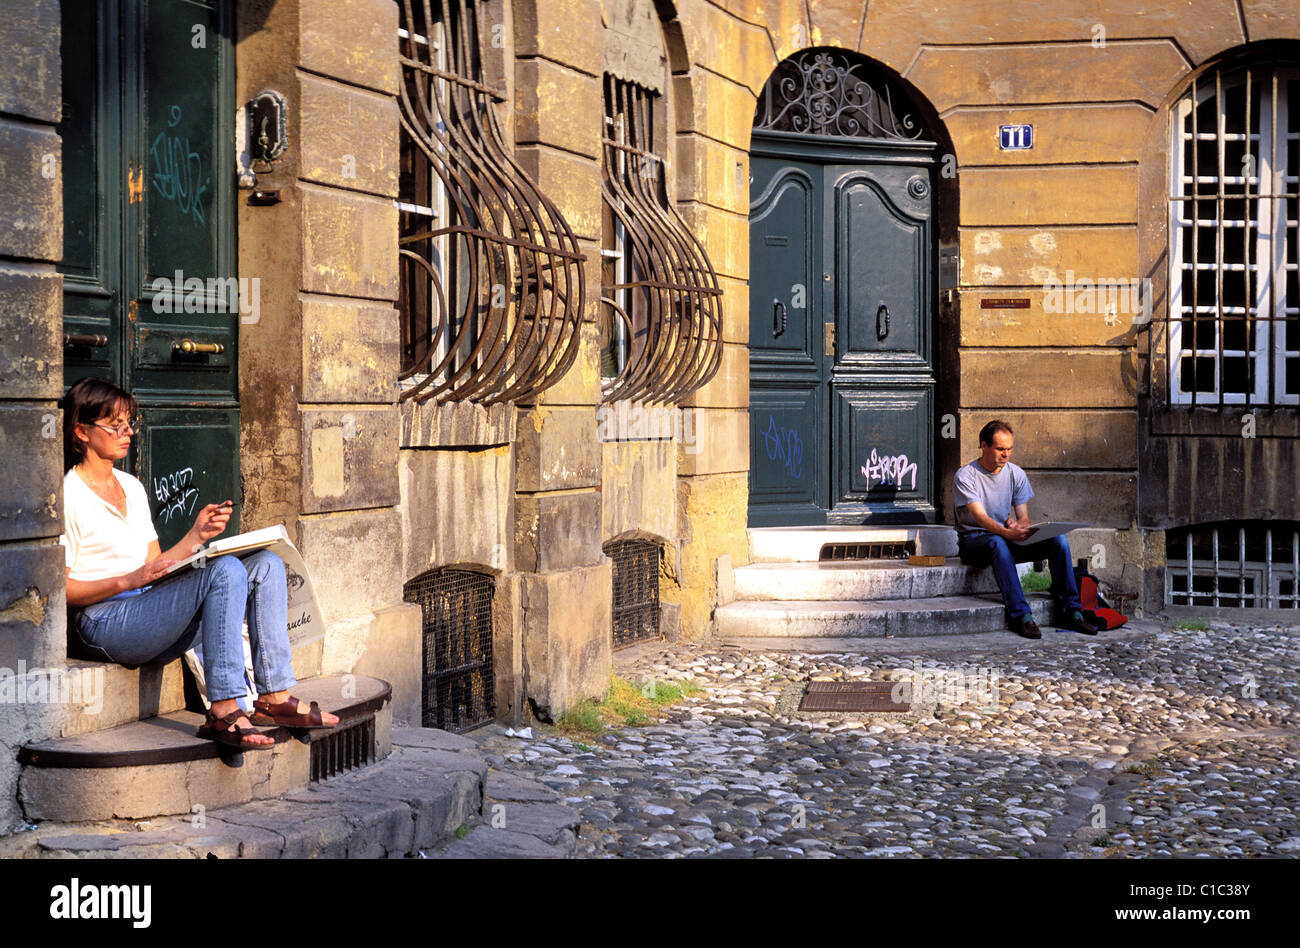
(1234, 233)
(492, 280)
(662, 304)
(819, 92)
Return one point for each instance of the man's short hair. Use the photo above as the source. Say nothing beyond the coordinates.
(992, 428)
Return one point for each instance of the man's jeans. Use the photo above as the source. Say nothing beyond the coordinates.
(207, 605)
(982, 548)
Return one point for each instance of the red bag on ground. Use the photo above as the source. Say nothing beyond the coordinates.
(1095, 609)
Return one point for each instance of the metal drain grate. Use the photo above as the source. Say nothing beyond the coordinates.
(459, 688)
(635, 615)
(867, 551)
(852, 696)
(345, 748)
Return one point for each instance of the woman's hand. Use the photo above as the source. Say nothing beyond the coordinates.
(211, 520)
(147, 573)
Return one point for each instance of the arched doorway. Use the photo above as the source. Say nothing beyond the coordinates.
(843, 297)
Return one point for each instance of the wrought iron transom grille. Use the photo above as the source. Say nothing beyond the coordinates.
(458, 682)
(636, 591)
(346, 748)
(1235, 565)
(492, 281)
(1234, 231)
(661, 316)
(825, 92)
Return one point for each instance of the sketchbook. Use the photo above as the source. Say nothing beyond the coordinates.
(306, 623)
(1048, 529)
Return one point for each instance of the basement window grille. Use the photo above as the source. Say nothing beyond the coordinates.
(661, 306)
(636, 591)
(458, 682)
(1234, 565)
(345, 748)
(866, 551)
(1234, 228)
(491, 281)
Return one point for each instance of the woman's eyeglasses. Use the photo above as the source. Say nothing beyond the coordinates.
(119, 430)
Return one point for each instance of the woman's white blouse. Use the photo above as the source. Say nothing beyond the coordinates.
(101, 542)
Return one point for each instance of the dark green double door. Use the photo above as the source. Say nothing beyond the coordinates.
(843, 260)
(148, 205)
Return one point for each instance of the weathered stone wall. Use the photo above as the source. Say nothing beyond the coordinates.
(32, 617)
(318, 372)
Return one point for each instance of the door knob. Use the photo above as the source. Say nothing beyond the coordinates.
(190, 347)
(882, 321)
(778, 325)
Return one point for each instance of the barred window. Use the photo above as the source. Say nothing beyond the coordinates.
(492, 282)
(1235, 564)
(661, 310)
(1234, 310)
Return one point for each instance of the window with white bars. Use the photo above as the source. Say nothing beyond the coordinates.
(1234, 565)
(1234, 224)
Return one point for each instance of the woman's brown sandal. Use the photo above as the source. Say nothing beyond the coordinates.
(286, 714)
(224, 730)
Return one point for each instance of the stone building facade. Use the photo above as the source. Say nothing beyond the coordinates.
(380, 488)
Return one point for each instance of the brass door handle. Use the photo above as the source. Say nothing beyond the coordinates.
(190, 347)
(93, 340)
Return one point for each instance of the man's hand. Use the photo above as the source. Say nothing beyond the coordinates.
(1015, 530)
(211, 520)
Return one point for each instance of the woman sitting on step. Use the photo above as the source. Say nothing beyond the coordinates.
(113, 556)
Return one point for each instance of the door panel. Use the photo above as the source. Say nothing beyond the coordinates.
(149, 235)
(842, 397)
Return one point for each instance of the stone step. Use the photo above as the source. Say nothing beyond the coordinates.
(942, 615)
(861, 581)
(428, 793)
(158, 766)
(804, 544)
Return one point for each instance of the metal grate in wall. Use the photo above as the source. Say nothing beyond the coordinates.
(636, 591)
(866, 551)
(1234, 565)
(458, 684)
(346, 748)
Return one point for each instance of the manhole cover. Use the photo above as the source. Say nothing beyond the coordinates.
(852, 696)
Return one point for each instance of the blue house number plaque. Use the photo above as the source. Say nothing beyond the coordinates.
(1016, 137)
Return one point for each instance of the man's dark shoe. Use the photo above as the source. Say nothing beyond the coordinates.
(1075, 622)
(1026, 627)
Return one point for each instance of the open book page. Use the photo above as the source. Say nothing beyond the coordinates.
(305, 620)
(1047, 529)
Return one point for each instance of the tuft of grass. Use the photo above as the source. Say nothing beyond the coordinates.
(1036, 582)
(1191, 625)
(1103, 841)
(462, 831)
(627, 704)
(581, 747)
(1147, 768)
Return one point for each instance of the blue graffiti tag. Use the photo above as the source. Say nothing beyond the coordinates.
(178, 171)
(785, 444)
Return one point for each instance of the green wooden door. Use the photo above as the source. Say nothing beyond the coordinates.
(843, 259)
(149, 296)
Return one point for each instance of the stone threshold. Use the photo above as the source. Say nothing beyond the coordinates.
(433, 797)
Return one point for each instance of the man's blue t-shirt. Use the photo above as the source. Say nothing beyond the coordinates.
(997, 493)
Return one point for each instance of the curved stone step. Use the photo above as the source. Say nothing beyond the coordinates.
(943, 615)
(158, 766)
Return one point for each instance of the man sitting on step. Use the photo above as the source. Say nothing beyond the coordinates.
(986, 491)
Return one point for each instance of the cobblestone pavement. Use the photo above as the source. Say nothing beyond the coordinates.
(1172, 743)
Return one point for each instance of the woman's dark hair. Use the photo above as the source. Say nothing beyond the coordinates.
(88, 401)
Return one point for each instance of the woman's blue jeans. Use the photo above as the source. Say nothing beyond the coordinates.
(983, 548)
(207, 605)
